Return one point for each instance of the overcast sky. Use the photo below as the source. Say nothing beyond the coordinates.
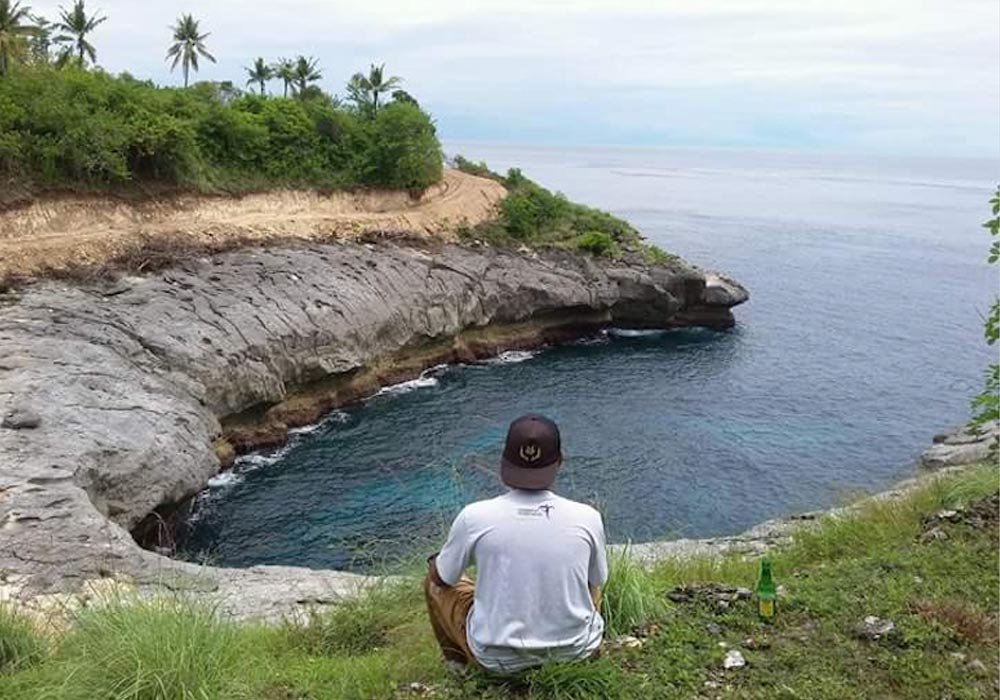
(892, 76)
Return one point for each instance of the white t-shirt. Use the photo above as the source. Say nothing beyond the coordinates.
(535, 554)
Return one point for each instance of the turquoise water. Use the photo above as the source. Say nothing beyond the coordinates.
(862, 339)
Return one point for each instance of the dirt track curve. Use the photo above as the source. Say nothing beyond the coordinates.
(54, 233)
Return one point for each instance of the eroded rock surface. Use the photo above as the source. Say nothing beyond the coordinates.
(961, 446)
(112, 395)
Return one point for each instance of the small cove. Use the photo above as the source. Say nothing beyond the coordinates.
(860, 341)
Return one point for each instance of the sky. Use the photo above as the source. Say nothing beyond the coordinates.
(885, 76)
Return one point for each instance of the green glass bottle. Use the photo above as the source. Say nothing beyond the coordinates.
(766, 592)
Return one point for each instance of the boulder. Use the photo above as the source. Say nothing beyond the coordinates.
(962, 446)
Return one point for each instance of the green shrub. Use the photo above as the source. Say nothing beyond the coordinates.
(531, 214)
(479, 169)
(403, 151)
(20, 645)
(530, 210)
(86, 129)
(595, 242)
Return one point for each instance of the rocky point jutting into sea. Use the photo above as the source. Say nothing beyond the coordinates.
(122, 397)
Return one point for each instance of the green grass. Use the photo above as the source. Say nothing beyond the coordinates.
(942, 596)
(20, 644)
(630, 597)
(532, 215)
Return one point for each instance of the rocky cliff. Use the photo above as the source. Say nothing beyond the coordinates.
(118, 398)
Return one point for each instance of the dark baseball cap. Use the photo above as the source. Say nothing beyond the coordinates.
(532, 453)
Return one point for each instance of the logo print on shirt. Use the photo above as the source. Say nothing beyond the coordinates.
(530, 452)
(536, 512)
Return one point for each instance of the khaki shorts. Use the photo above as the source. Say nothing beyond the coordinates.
(449, 606)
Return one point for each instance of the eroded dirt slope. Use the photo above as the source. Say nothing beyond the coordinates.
(73, 230)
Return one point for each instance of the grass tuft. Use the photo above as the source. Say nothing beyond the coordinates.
(158, 649)
(630, 597)
(20, 644)
(360, 624)
(589, 679)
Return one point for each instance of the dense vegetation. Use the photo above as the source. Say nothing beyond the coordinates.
(532, 215)
(986, 405)
(64, 123)
(86, 129)
(940, 591)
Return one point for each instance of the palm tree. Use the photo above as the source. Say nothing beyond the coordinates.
(77, 25)
(365, 90)
(14, 31)
(285, 70)
(260, 73)
(42, 40)
(306, 71)
(188, 44)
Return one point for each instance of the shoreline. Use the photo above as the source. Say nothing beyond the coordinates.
(118, 398)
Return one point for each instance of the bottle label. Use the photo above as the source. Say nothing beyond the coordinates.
(766, 608)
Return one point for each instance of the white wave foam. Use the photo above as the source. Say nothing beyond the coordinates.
(511, 357)
(635, 332)
(421, 382)
(599, 339)
(256, 460)
(224, 479)
(338, 417)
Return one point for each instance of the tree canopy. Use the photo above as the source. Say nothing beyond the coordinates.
(189, 44)
(15, 28)
(259, 73)
(75, 25)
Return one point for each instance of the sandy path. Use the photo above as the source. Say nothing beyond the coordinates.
(56, 232)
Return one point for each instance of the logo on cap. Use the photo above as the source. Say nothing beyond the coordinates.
(530, 452)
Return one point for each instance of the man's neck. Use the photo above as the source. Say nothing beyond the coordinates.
(528, 493)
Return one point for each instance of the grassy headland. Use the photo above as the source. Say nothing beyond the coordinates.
(533, 216)
(932, 573)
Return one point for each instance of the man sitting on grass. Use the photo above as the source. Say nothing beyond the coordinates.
(540, 563)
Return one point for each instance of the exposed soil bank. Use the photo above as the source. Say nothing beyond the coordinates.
(66, 231)
(118, 399)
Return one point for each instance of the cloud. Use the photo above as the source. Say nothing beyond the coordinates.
(883, 74)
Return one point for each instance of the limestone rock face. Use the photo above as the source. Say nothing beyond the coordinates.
(111, 395)
(961, 447)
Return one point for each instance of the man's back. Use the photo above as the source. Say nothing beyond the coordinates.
(536, 555)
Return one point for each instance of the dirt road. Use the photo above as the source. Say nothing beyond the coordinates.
(70, 230)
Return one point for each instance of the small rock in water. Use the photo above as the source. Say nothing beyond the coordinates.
(873, 628)
(734, 659)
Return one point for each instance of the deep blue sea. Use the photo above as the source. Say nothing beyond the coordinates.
(861, 340)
